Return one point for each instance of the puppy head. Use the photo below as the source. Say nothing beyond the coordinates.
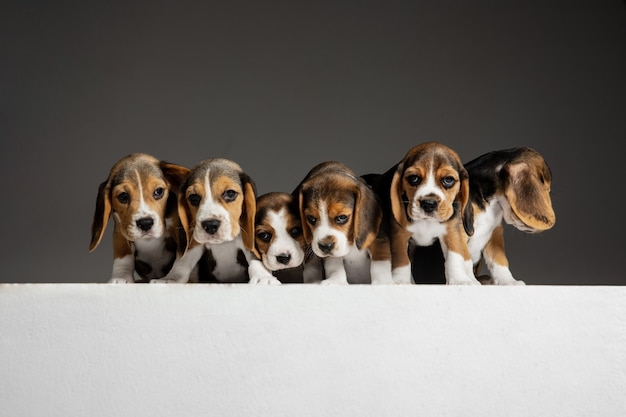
(217, 203)
(430, 183)
(136, 195)
(527, 180)
(338, 210)
(279, 241)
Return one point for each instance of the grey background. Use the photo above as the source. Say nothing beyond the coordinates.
(281, 86)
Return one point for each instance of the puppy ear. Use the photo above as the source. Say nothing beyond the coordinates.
(174, 174)
(467, 210)
(528, 196)
(101, 214)
(184, 214)
(396, 196)
(367, 216)
(306, 228)
(248, 211)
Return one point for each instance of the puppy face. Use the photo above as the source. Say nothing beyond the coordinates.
(526, 198)
(217, 203)
(430, 183)
(279, 241)
(136, 195)
(338, 210)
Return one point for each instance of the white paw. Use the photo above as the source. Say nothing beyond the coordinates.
(121, 281)
(466, 281)
(264, 280)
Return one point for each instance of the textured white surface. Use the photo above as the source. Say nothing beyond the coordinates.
(303, 350)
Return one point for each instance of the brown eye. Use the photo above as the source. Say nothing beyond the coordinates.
(341, 219)
(123, 197)
(448, 181)
(413, 180)
(158, 193)
(230, 195)
(295, 231)
(194, 199)
(312, 220)
(264, 236)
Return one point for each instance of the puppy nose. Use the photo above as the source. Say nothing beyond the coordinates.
(326, 247)
(428, 205)
(211, 226)
(145, 223)
(283, 258)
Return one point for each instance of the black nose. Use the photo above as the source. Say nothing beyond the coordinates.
(145, 223)
(211, 226)
(283, 258)
(428, 205)
(326, 247)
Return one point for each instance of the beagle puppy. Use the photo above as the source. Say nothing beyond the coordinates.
(426, 198)
(216, 206)
(140, 195)
(341, 218)
(512, 186)
(279, 241)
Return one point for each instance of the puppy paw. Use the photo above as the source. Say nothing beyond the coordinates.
(121, 281)
(163, 281)
(264, 280)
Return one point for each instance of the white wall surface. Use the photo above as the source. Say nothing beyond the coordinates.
(297, 350)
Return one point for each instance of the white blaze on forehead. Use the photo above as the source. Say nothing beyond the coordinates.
(282, 243)
(144, 210)
(430, 186)
(325, 230)
(210, 209)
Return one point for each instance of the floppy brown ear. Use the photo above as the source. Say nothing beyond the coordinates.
(306, 228)
(184, 214)
(248, 211)
(395, 194)
(101, 214)
(467, 210)
(529, 197)
(174, 174)
(367, 216)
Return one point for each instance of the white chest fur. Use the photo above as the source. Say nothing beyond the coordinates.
(227, 269)
(425, 232)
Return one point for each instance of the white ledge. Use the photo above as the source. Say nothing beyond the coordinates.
(304, 350)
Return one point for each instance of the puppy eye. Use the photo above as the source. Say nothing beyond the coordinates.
(295, 231)
(123, 197)
(448, 181)
(341, 219)
(312, 220)
(264, 236)
(194, 199)
(158, 193)
(413, 179)
(230, 195)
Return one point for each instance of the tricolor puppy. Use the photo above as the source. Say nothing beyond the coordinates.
(427, 200)
(511, 185)
(341, 218)
(279, 241)
(216, 206)
(140, 195)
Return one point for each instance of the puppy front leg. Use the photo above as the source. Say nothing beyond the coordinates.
(335, 271)
(458, 266)
(123, 260)
(182, 267)
(496, 260)
(123, 270)
(257, 272)
(400, 261)
(380, 265)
